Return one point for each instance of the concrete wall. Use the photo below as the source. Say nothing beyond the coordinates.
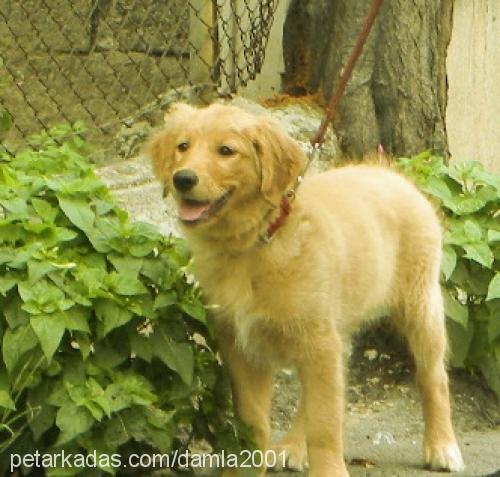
(473, 64)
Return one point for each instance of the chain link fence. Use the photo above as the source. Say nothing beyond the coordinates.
(114, 64)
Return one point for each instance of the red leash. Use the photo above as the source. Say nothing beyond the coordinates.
(318, 139)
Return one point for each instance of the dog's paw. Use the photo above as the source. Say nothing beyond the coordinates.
(446, 457)
(290, 455)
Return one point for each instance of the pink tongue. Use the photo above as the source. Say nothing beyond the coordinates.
(191, 211)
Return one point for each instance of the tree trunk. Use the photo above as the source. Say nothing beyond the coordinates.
(397, 94)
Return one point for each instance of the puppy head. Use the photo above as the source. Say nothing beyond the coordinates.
(161, 148)
(222, 162)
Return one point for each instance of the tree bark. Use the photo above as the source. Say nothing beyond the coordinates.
(397, 94)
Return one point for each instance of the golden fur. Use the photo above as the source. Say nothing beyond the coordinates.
(360, 240)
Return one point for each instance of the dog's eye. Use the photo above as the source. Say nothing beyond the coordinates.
(226, 151)
(183, 146)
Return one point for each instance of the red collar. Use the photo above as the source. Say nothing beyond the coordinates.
(285, 209)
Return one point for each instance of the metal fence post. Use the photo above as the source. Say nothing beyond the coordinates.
(201, 51)
(268, 82)
(228, 39)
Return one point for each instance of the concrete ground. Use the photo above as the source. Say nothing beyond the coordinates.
(383, 434)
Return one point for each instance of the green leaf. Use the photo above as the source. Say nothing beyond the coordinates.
(176, 356)
(102, 207)
(16, 206)
(493, 235)
(476, 280)
(49, 329)
(159, 418)
(16, 343)
(72, 421)
(469, 203)
(44, 210)
(42, 421)
(454, 309)
(43, 297)
(5, 400)
(494, 287)
(108, 357)
(111, 315)
(63, 234)
(83, 344)
(14, 314)
(480, 252)
(92, 279)
(474, 171)
(165, 298)
(460, 340)
(142, 305)
(83, 186)
(129, 389)
(37, 269)
(473, 230)
(125, 284)
(448, 262)
(22, 255)
(142, 238)
(91, 396)
(6, 253)
(115, 432)
(196, 310)
(126, 265)
(78, 212)
(493, 320)
(141, 346)
(7, 283)
(162, 440)
(438, 188)
(157, 271)
(76, 318)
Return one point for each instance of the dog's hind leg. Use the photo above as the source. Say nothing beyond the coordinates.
(422, 322)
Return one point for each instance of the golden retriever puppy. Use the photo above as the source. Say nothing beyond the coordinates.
(295, 269)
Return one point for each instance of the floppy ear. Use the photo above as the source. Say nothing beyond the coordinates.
(161, 147)
(280, 159)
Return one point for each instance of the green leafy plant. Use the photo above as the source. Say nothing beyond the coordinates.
(105, 345)
(469, 197)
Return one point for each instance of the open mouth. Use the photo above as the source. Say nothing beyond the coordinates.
(194, 211)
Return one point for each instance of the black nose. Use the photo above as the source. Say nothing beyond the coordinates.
(185, 180)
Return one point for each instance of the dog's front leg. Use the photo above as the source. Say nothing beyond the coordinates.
(252, 392)
(322, 376)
